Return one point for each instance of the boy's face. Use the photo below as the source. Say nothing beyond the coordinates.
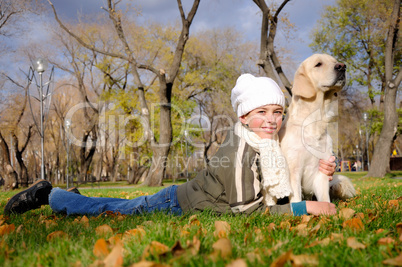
(265, 121)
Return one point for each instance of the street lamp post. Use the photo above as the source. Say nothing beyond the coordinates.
(360, 134)
(187, 163)
(365, 118)
(40, 67)
(68, 124)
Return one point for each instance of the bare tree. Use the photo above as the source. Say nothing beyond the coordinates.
(269, 60)
(160, 147)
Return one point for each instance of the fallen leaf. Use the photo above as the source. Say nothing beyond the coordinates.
(222, 248)
(50, 223)
(6, 229)
(397, 261)
(386, 241)
(145, 263)
(103, 230)
(346, 213)
(306, 218)
(282, 259)
(155, 248)
(271, 227)
(100, 248)
(354, 224)
(237, 263)
(222, 229)
(301, 229)
(393, 203)
(194, 246)
(399, 228)
(336, 237)
(84, 221)
(284, 225)
(353, 243)
(56, 234)
(115, 257)
(136, 233)
(113, 240)
(304, 260)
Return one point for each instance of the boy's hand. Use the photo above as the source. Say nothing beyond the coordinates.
(320, 208)
(327, 167)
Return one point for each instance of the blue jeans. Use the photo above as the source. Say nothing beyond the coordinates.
(62, 201)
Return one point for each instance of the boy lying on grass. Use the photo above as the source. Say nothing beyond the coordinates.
(247, 174)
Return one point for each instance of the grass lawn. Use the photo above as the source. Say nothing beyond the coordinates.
(366, 232)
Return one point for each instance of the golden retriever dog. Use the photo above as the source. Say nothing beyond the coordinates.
(305, 135)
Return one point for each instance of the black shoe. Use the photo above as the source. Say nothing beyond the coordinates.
(31, 198)
(74, 190)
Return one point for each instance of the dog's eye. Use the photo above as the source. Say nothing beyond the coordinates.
(318, 64)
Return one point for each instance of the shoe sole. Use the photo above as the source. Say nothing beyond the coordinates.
(37, 201)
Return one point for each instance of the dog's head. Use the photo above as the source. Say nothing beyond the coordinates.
(319, 72)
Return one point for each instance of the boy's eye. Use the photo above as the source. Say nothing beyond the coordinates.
(261, 111)
(278, 112)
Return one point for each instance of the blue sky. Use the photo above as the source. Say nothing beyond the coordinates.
(242, 14)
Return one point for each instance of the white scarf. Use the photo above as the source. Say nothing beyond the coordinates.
(274, 168)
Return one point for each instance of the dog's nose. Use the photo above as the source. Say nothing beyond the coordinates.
(340, 67)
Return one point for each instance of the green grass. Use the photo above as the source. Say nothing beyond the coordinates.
(259, 239)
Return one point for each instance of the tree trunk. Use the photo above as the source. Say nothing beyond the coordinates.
(86, 157)
(382, 151)
(10, 179)
(161, 149)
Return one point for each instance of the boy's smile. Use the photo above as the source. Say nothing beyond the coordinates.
(265, 121)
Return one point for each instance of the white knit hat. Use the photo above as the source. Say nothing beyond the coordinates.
(252, 92)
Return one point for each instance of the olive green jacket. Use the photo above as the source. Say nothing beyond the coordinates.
(230, 183)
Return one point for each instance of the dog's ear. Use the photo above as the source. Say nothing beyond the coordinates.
(302, 85)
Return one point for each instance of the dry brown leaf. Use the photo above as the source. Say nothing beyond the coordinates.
(393, 203)
(270, 227)
(101, 248)
(399, 228)
(155, 248)
(324, 242)
(258, 235)
(336, 237)
(285, 225)
(354, 224)
(386, 241)
(6, 229)
(346, 213)
(103, 230)
(353, 243)
(184, 233)
(193, 220)
(304, 260)
(115, 257)
(237, 263)
(397, 261)
(301, 229)
(306, 218)
(222, 248)
(136, 233)
(56, 234)
(194, 246)
(315, 229)
(222, 229)
(113, 240)
(145, 263)
(282, 259)
(50, 223)
(20, 228)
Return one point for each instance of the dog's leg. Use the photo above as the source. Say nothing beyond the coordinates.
(295, 183)
(321, 187)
